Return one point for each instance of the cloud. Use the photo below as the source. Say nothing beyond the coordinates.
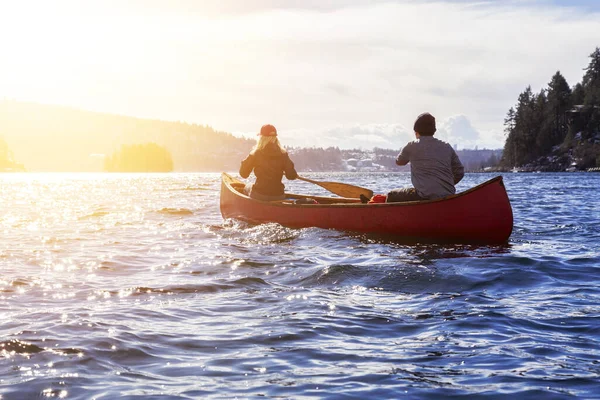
(367, 136)
(456, 130)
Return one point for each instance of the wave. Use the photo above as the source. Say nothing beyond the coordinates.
(191, 188)
(16, 346)
(95, 214)
(248, 282)
(175, 211)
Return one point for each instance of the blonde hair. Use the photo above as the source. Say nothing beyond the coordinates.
(264, 141)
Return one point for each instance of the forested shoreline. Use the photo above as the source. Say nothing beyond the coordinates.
(558, 128)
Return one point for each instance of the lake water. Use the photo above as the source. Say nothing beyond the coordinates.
(133, 286)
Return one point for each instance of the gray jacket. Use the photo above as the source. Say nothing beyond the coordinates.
(435, 167)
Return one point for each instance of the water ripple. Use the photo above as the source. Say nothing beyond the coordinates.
(133, 286)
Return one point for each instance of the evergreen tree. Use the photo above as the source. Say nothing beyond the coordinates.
(509, 152)
(559, 101)
(509, 121)
(577, 94)
(591, 85)
(525, 127)
(591, 80)
(543, 135)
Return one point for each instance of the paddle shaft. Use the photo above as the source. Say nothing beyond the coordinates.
(341, 189)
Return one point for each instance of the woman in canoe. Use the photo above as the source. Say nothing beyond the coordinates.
(269, 161)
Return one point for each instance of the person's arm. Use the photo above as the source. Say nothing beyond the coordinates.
(458, 171)
(288, 168)
(404, 156)
(247, 166)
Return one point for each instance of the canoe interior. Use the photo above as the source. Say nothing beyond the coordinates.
(239, 188)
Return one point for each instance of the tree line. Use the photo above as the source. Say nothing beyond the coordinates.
(556, 125)
(148, 157)
(336, 159)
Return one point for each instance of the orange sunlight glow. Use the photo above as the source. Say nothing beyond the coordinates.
(57, 51)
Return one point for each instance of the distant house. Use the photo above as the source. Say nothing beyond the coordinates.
(352, 161)
(579, 115)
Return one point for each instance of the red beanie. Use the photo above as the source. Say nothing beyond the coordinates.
(268, 130)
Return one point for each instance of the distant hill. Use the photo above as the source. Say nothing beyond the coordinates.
(55, 138)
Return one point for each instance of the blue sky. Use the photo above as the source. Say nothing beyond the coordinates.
(590, 5)
(351, 73)
(593, 5)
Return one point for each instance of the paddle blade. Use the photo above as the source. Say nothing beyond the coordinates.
(345, 190)
(342, 189)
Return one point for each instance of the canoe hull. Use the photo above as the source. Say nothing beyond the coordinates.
(480, 215)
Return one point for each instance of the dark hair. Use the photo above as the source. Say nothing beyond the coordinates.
(425, 124)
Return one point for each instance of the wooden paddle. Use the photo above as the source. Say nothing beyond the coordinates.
(341, 189)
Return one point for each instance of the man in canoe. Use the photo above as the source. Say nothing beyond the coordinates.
(435, 166)
(269, 161)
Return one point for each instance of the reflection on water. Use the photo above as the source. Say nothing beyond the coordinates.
(125, 285)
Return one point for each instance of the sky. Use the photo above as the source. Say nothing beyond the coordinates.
(347, 73)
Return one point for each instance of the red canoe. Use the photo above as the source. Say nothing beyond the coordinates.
(479, 215)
